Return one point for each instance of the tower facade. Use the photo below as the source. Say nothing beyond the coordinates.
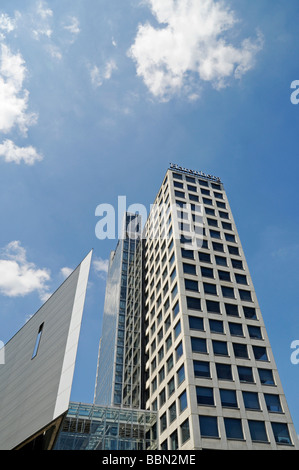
(211, 374)
(110, 369)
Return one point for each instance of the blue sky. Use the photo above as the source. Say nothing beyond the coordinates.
(97, 97)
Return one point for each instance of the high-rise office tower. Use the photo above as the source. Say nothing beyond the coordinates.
(110, 369)
(194, 345)
(211, 374)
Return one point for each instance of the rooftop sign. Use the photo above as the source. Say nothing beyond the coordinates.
(174, 166)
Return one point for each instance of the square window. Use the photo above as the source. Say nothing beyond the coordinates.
(266, 376)
(255, 332)
(204, 396)
(232, 310)
(207, 201)
(233, 428)
(216, 326)
(189, 268)
(207, 272)
(191, 285)
(213, 306)
(237, 264)
(245, 374)
(210, 288)
(179, 351)
(249, 312)
(196, 323)
(228, 292)
(204, 257)
(230, 238)
(215, 234)
(220, 348)
(260, 353)
(251, 400)
(245, 295)
(201, 369)
(181, 374)
(193, 303)
(281, 433)
(257, 431)
(240, 350)
(218, 246)
(228, 398)
(224, 371)
(233, 250)
(179, 194)
(273, 403)
(236, 329)
(241, 279)
(183, 401)
(172, 412)
(206, 192)
(223, 215)
(213, 222)
(163, 423)
(224, 276)
(198, 345)
(208, 426)
(187, 253)
(221, 261)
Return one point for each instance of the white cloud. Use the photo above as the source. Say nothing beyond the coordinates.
(66, 272)
(54, 51)
(189, 47)
(41, 20)
(19, 277)
(13, 153)
(43, 10)
(13, 98)
(99, 76)
(73, 27)
(101, 267)
(6, 25)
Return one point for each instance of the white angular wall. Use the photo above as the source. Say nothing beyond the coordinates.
(35, 391)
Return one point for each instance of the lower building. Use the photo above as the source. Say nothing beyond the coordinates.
(95, 427)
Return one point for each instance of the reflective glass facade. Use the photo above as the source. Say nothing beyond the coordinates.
(109, 381)
(94, 427)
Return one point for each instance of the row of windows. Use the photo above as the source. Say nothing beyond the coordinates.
(212, 289)
(194, 180)
(233, 427)
(216, 246)
(209, 427)
(220, 348)
(213, 306)
(230, 399)
(194, 188)
(245, 374)
(218, 326)
(222, 275)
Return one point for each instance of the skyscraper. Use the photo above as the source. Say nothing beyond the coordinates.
(194, 341)
(109, 381)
